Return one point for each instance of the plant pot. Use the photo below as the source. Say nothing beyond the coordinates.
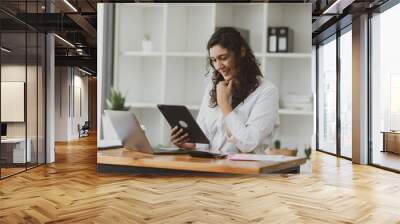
(306, 167)
(110, 135)
(147, 46)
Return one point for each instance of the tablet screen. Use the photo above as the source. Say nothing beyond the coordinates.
(178, 115)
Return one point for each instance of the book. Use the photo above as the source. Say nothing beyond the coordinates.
(272, 41)
(285, 39)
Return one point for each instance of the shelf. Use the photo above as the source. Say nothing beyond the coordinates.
(288, 55)
(187, 54)
(195, 107)
(143, 5)
(203, 55)
(187, 4)
(142, 105)
(158, 54)
(141, 53)
(295, 112)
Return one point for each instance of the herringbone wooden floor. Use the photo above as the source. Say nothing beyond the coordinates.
(71, 191)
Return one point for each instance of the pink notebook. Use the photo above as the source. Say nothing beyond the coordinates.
(259, 157)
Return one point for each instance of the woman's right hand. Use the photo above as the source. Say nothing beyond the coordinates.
(180, 138)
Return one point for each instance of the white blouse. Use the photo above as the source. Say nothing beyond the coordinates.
(251, 124)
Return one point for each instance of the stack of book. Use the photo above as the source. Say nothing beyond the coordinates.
(297, 102)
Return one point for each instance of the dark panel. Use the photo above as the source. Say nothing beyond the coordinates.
(49, 22)
(77, 61)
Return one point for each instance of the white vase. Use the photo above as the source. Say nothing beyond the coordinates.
(306, 167)
(147, 46)
(110, 136)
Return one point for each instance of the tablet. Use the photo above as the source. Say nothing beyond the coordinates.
(178, 115)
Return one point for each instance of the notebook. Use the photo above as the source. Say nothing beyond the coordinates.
(259, 157)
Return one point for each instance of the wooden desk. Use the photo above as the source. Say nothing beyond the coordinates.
(123, 157)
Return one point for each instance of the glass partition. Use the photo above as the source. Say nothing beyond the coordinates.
(385, 89)
(22, 77)
(346, 94)
(327, 96)
(13, 109)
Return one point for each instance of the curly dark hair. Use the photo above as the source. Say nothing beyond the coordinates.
(246, 80)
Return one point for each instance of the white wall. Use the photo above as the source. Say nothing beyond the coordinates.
(61, 103)
(71, 87)
(80, 103)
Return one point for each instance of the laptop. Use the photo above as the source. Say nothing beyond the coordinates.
(132, 136)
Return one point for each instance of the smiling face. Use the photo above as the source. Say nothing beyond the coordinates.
(223, 61)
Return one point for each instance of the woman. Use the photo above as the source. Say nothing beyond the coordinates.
(239, 110)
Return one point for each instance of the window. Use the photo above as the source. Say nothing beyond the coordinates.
(395, 102)
(346, 94)
(327, 97)
(385, 85)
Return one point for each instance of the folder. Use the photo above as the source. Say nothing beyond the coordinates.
(285, 39)
(272, 39)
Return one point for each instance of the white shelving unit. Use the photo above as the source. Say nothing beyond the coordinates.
(295, 112)
(174, 72)
(288, 55)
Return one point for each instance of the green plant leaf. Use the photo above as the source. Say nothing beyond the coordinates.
(116, 101)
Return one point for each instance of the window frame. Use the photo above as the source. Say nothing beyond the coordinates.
(334, 37)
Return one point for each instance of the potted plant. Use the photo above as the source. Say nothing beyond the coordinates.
(116, 101)
(147, 45)
(307, 152)
(307, 167)
(277, 144)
